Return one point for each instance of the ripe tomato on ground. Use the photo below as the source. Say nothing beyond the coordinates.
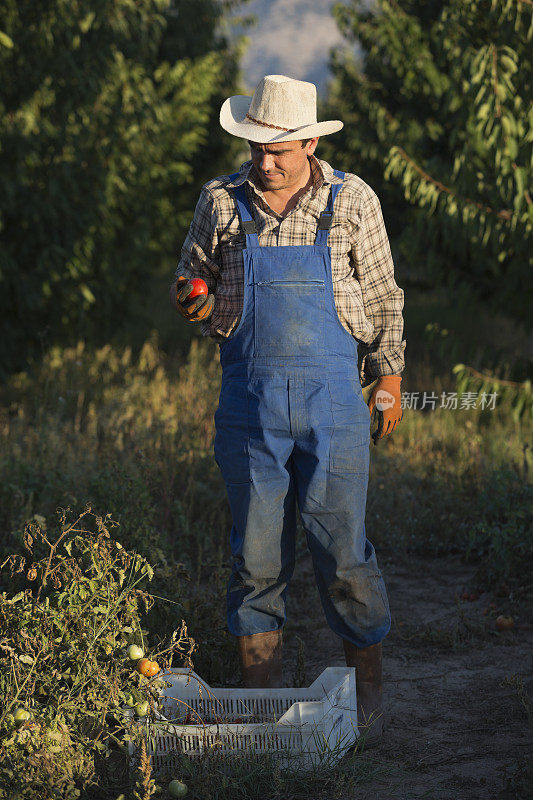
(504, 623)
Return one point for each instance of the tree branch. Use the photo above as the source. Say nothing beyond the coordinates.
(505, 214)
(483, 376)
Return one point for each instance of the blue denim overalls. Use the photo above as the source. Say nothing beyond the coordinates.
(293, 427)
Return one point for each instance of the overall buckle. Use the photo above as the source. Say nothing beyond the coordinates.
(324, 221)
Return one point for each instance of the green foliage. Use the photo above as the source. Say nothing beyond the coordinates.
(440, 105)
(500, 541)
(73, 605)
(517, 397)
(107, 111)
(140, 423)
(456, 497)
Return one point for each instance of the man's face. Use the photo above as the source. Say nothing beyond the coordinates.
(282, 165)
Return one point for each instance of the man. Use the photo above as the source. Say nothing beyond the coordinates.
(303, 302)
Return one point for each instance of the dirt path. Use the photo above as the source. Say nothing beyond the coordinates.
(453, 728)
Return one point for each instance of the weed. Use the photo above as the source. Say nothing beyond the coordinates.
(261, 776)
(518, 780)
(457, 633)
(517, 682)
(146, 785)
(300, 672)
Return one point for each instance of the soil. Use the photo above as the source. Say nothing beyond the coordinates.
(457, 714)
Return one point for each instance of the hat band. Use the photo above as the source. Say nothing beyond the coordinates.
(266, 125)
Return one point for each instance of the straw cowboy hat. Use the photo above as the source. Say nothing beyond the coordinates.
(281, 110)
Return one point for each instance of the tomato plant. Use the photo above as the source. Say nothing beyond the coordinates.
(77, 602)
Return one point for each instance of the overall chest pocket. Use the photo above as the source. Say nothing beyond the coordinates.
(289, 318)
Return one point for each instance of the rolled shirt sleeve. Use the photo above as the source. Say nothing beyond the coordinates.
(382, 297)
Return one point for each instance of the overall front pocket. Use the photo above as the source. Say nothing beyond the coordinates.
(350, 420)
(231, 447)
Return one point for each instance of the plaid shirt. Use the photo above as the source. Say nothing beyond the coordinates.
(369, 303)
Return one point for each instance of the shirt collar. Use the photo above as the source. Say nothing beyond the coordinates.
(322, 173)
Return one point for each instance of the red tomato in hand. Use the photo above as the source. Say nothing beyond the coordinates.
(198, 287)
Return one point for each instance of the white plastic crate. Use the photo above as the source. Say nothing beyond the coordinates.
(305, 725)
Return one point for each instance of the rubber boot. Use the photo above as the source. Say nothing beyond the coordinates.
(260, 657)
(369, 684)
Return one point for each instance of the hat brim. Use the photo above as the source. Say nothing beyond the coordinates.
(233, 120)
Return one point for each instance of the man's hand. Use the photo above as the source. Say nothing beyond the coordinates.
(386, 398)
(195, 310)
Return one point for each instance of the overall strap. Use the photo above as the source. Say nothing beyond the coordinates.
(247, 222)
(326, 216)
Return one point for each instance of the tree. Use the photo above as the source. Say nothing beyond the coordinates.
(439, 108)
(105, 108)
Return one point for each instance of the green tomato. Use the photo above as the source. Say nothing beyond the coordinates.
(135, 652)
(142, 709)
(177, 789)
(21, 715)
(130, 700)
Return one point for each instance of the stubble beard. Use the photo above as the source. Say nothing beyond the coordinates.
(274, 185)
